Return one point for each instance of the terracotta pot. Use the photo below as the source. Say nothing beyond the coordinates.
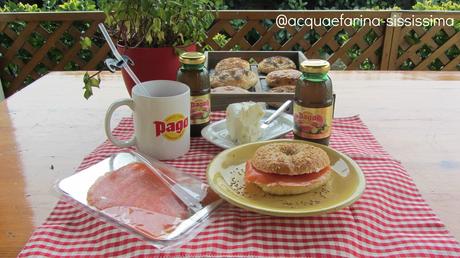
(152, 63)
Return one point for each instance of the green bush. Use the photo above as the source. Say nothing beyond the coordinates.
(316, 5)
(159, 23)
(437, 5)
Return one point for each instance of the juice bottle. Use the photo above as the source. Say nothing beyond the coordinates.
(313, 102)
(193, 73)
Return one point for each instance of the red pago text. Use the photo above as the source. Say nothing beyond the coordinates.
(162, 127)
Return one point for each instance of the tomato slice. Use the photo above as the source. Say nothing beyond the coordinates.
(253, 175)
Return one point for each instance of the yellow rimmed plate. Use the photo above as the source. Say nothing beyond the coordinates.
(225, 175)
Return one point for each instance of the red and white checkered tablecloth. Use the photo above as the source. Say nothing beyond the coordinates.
(390, 219)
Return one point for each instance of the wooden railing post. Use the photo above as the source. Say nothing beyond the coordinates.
(390, 45)
(2, 95)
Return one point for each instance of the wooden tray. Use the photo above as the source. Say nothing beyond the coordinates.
(260, 92)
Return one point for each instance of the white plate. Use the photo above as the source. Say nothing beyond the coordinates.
(217, 133)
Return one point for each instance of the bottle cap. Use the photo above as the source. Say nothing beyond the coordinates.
(315, 66)
(192, 58)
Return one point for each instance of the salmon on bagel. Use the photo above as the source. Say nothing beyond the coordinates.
(287, 168)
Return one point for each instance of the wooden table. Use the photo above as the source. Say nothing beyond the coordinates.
(47, 128)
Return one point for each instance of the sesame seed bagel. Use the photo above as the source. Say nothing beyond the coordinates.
(232, 62)
(242, 78)
(275, 63)
(282, 77)
(284, 89)
(229, 89)
(284, 189)
(290, 158)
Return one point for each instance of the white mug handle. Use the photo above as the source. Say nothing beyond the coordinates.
(108, 117)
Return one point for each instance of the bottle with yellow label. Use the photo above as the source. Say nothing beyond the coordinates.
(313, 106)
(193, 73)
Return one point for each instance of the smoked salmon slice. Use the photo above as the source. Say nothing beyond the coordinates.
(135, 186)
(252, 175)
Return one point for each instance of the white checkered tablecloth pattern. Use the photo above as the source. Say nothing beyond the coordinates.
(390, 219)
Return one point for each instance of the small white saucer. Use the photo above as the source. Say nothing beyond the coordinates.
(217, 133)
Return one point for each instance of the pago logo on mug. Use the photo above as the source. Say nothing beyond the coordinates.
(172, 128)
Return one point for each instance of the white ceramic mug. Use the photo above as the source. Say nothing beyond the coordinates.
(161, 119)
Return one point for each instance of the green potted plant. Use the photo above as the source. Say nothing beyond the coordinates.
(153, 32)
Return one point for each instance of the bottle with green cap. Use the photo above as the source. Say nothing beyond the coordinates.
(313, 102)
(193, 73)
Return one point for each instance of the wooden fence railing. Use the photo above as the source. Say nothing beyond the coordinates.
(438, 46)
(366, 47)
(32, 44)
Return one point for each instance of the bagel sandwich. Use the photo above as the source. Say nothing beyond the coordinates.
(288, 168)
